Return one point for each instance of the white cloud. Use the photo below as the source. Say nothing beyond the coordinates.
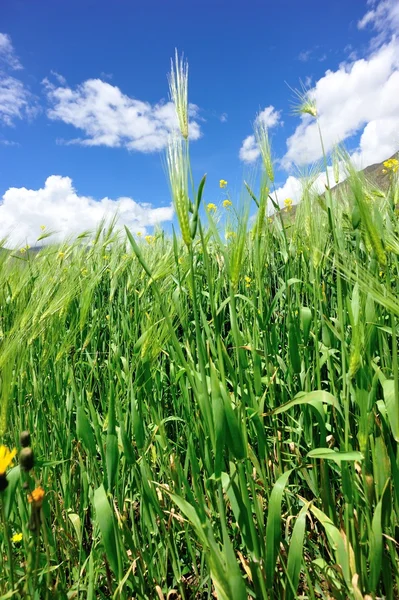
(383, 17)
(304, 55)
(7, 53)
(110, 118)
(348, 100)
(249, 150)
(293, 186)
(16, 101)
(62, 210)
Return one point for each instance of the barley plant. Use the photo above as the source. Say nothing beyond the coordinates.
(208, 414)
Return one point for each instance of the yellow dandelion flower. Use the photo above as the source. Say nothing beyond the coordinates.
(149, 239)
(42, 227)
(6, 458)
(139, 234)
(247, 279)
(211, 206)
(61, 254)
(22, 250)
(222, 183)
(227, 203)
(16, 538)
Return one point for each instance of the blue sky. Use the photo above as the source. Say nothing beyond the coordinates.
(74, 74)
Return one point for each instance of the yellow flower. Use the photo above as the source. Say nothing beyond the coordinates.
(180, 260)
(107, 317)
(227, 203)
(16, 538)
(36, 497)
(230, 234)
(384, 171)
(391, 165)
(42, 227)
(222, 183)
(61, 254)
(106, 257)
(211, 206)
(247, 281)
(288, 203)
(6, 458)
(149, 239)
(84, 271)
(270, 220)
(22, 250)
(139, 234)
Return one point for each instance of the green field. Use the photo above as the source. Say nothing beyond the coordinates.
(213, 413)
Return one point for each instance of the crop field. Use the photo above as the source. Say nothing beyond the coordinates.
(212, 413)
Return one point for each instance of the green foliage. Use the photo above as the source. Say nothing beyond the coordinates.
(210, 417)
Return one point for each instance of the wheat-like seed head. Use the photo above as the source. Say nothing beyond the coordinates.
(178, 88)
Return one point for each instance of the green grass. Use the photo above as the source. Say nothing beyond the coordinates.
(209, 417)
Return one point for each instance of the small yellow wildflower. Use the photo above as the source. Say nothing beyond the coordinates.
(61, 254)
(139, 234)
(42, 227)
(6, 458)
(288, 204)
(36, 497)
(247, 281)
(227, 203)
(106, 257)
(230, 235)
(392, 165)
(211, 206)
(16, 538)
(149, 239)
(270, 220)
(180, 261)
(384, 171)
(84, 271)
(222, 183)
(22, 250)
(107, 317)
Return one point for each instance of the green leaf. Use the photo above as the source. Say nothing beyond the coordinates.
(392, 406)
(295, 554)
(84, 431)
(77, 525)
(312, 398)
(105, 521)
(8, 496)
(338, 457)
(273, 527)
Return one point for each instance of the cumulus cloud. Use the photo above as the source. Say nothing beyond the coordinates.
(7, 53)
(64, 212)
(249, 150)
(107, 117)
(358, 98)
(16, 102)
(383, 18)
(293, 186)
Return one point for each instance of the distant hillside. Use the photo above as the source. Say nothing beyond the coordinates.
(374, 174)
